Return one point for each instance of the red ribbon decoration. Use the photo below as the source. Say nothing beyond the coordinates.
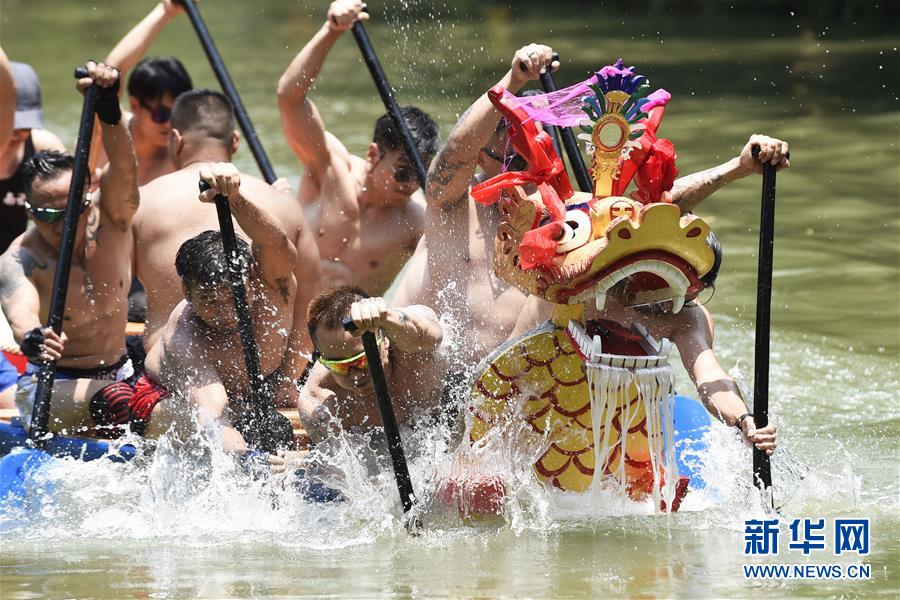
(538, 246)
(536, 147)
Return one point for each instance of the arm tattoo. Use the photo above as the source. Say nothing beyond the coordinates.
(16, 267)
(444, 171)
(92, 230)
(689, 191)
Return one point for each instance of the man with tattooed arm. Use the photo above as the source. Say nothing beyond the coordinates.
(90, 352)
(453, 269)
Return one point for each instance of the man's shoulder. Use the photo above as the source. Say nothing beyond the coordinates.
(160, 195)
(181, 329)
(693, 322)
(22, 260)
(46, 140)
(25, 249)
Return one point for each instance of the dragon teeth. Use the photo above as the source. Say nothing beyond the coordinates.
(596, 348)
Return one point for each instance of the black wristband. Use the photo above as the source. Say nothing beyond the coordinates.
(32, 342)
(107, 106)
(740, 421)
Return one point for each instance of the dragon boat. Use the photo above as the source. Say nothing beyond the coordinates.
(599, 395)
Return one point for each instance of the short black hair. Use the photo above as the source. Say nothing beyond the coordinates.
(422, 127)
(330, 307)
(44, 166)
(206, 112)
(201, 260)
(709, 280)
(155, 76)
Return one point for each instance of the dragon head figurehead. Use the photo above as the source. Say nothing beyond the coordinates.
(572, 247)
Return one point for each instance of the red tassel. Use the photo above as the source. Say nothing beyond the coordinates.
(538, 246)
(657, 175)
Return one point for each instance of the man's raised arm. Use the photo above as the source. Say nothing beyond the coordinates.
(302, 124)
(452, 170)
(119, 197)
(689, 191)
(275, 254)
(134, 45)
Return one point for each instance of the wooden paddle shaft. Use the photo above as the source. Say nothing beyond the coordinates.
(40, 413)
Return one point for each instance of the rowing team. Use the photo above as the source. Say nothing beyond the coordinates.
(308, 260)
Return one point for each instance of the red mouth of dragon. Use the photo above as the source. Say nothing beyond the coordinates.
(653, 270)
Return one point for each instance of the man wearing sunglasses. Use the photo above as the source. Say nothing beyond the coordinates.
(339, 386)
(363, 209)
(90, 353)
(153, 85)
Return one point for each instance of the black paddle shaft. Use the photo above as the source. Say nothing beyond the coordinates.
(387, 96)
(762, 475)
(262, 405)
(568, 138)
(386, 408)
(218, 66)
(40, 412)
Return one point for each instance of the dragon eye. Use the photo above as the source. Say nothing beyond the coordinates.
(576, 231)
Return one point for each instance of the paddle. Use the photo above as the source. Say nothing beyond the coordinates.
(568, 138)
(762, 475)
(261, 405)
(40, 414)
(386, 408)
(387, 96)
(218, 66)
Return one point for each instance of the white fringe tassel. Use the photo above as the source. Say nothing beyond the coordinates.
(610, 387)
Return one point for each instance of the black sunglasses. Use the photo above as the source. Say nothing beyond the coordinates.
(160, 114)
(52, 215)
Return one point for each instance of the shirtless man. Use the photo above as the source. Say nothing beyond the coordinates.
(153, 87)
(198, 356)
(90, 351)
(26, 138)
(203, 132)
(453, 270)
(339, 384)
(366, 219)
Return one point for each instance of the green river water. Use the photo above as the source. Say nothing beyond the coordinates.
(829, 88)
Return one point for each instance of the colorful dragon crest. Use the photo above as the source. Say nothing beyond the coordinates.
(601, 395)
